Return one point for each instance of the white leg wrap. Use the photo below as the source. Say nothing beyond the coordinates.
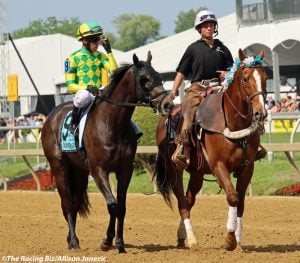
(238, 232)
(191, 239)
(181, 233)
(232, 219)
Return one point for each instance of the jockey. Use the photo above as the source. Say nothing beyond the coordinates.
(205, 60)
(86, 70)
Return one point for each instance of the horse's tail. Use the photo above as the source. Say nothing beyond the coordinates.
(163, 178)
(78, 182)
(74, 189)
(84, 205)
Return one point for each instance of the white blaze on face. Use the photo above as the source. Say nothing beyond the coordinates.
(259, 89)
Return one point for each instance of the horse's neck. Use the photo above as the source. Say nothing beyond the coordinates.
(236, 106)
(124, 92)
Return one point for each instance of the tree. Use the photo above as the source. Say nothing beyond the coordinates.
(185, 20)
(135, 31)
(49, 26)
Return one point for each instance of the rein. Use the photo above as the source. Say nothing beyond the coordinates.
(149, 99)
(237, 110)
(129, 104)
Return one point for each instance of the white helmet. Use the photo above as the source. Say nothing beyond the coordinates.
(205, 16)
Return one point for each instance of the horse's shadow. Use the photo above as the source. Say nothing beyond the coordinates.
(151, 247)
(272, 248)
(246, 249)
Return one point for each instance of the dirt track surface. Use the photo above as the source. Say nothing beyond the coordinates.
(32, 225)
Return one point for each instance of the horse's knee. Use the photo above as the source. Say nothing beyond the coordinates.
(190, 201)
(232, 199)
(112, 209)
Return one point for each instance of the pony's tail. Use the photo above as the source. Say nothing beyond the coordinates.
(162, 178)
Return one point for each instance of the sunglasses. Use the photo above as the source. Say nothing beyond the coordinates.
(207, 16)
(94, 39)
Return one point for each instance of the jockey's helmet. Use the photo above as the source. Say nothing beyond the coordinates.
(205, 16)
(88, 29)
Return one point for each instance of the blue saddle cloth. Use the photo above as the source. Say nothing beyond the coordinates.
(68, 140)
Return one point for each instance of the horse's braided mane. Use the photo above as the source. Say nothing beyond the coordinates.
(115, 79)
(250, 61)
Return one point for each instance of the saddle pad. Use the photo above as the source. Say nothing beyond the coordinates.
(69, 141)
(67, 138)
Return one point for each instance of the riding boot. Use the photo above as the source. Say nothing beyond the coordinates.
(261, 153)
(137, 130)
(75, 119)
(181, 156)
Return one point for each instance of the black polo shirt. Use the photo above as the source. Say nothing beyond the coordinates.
(200, 61)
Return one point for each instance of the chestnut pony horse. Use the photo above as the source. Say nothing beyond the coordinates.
(227, 142)
(109, 146)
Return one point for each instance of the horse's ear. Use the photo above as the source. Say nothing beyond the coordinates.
(262, 53)
(135, 59)
(149, 57)
(241, 55)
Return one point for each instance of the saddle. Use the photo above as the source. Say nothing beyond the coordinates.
(73, 142)
(210, 114)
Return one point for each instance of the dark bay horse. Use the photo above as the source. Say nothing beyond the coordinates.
(231, 122)
(109, 146)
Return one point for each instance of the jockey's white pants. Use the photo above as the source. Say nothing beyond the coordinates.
(82, 98)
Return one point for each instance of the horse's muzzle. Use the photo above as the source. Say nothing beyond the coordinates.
(259, 115)
(166, 106)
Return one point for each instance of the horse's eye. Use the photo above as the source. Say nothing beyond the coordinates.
(146, 82)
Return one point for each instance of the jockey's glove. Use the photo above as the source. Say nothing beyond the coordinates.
(106, 44)
(93, 90)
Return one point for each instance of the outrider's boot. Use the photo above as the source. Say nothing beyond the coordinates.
(74, 120)
(261, 153)
(137, 130)
(181, 156)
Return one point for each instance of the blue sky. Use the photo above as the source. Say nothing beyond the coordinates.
(21, 12)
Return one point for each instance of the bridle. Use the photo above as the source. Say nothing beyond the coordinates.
(149, 100)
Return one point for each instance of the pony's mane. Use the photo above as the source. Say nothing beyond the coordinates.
(115, 79)
(250, 61)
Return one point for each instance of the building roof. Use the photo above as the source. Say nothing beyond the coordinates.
(44, 55)
(281, 37)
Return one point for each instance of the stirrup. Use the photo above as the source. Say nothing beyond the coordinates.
(179, 158)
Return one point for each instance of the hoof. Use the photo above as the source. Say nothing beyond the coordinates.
(120, 245)
(193, 246)
(105, 245)
(73, 245)
(239, 248)
(122, 249)
(192, 242)
(181, 243)
(230, 241)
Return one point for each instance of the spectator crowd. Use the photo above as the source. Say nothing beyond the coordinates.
(285, 104)
(21, 135)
